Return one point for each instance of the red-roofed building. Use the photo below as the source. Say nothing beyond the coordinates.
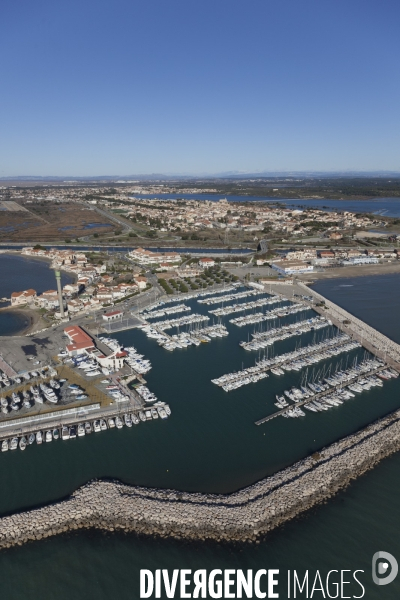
(80, 341)
(25, 297)
(112, 316)
(206, 262)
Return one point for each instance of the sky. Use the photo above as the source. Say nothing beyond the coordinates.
(123, 87)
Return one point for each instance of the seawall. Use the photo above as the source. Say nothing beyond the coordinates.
(242, 516)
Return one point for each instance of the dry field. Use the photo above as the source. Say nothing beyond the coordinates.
(50, 222)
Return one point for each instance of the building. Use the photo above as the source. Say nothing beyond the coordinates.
(188, 271)
(291, 267)
(48, 299)
(21, 298)
(141, 282)
(147, 257)
(112, 316)
(80, 341)
(206, 262)
(361, 260)
(114, 361)
(326, 254)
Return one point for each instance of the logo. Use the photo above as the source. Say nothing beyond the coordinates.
(381, 561)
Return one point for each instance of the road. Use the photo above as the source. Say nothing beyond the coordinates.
(123, 222)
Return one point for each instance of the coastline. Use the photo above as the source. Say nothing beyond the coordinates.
(347, 272)
(19, 254)
(243, 516)
(35, 321)
(26, 313)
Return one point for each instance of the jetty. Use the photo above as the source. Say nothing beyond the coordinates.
(242, 516)
(318, 396)
(377, 343)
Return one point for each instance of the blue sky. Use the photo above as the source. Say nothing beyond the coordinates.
(188, 86)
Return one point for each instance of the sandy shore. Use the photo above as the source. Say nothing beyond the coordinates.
(356, 271)
(27, 314)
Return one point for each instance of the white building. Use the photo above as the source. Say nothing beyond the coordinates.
(291, 267)
(147, 257)
(112, 316)
(21, 298)
(206, 262)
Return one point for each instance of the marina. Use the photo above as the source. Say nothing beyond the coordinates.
(290, 361)
(149, 377)
(263, 339)
(180, 321)
(279, 312)
(323, 395)
(228, 310)
(229, 297)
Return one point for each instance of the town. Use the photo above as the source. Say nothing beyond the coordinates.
(120, 216)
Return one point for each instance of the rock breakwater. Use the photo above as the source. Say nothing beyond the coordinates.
(241, 516)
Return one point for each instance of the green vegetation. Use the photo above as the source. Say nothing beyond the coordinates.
(165, 286)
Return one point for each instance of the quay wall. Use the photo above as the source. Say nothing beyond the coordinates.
(375, 341)
(241, 516)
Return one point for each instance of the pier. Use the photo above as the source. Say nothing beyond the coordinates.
(337, 345)
(371, 339)
(319, 395)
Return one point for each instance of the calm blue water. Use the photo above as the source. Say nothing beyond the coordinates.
(210, 443)
(389, 207)
(19, 274)
(129, 248)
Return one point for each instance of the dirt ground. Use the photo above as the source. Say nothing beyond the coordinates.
(47, 222)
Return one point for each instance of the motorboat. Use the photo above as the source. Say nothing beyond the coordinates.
(128, 420)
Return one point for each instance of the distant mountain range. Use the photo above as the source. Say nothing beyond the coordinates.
(211, 176)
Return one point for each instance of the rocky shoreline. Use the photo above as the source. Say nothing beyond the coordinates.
(242, 516)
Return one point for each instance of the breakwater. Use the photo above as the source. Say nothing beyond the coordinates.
(242, 516)
(373, 340)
